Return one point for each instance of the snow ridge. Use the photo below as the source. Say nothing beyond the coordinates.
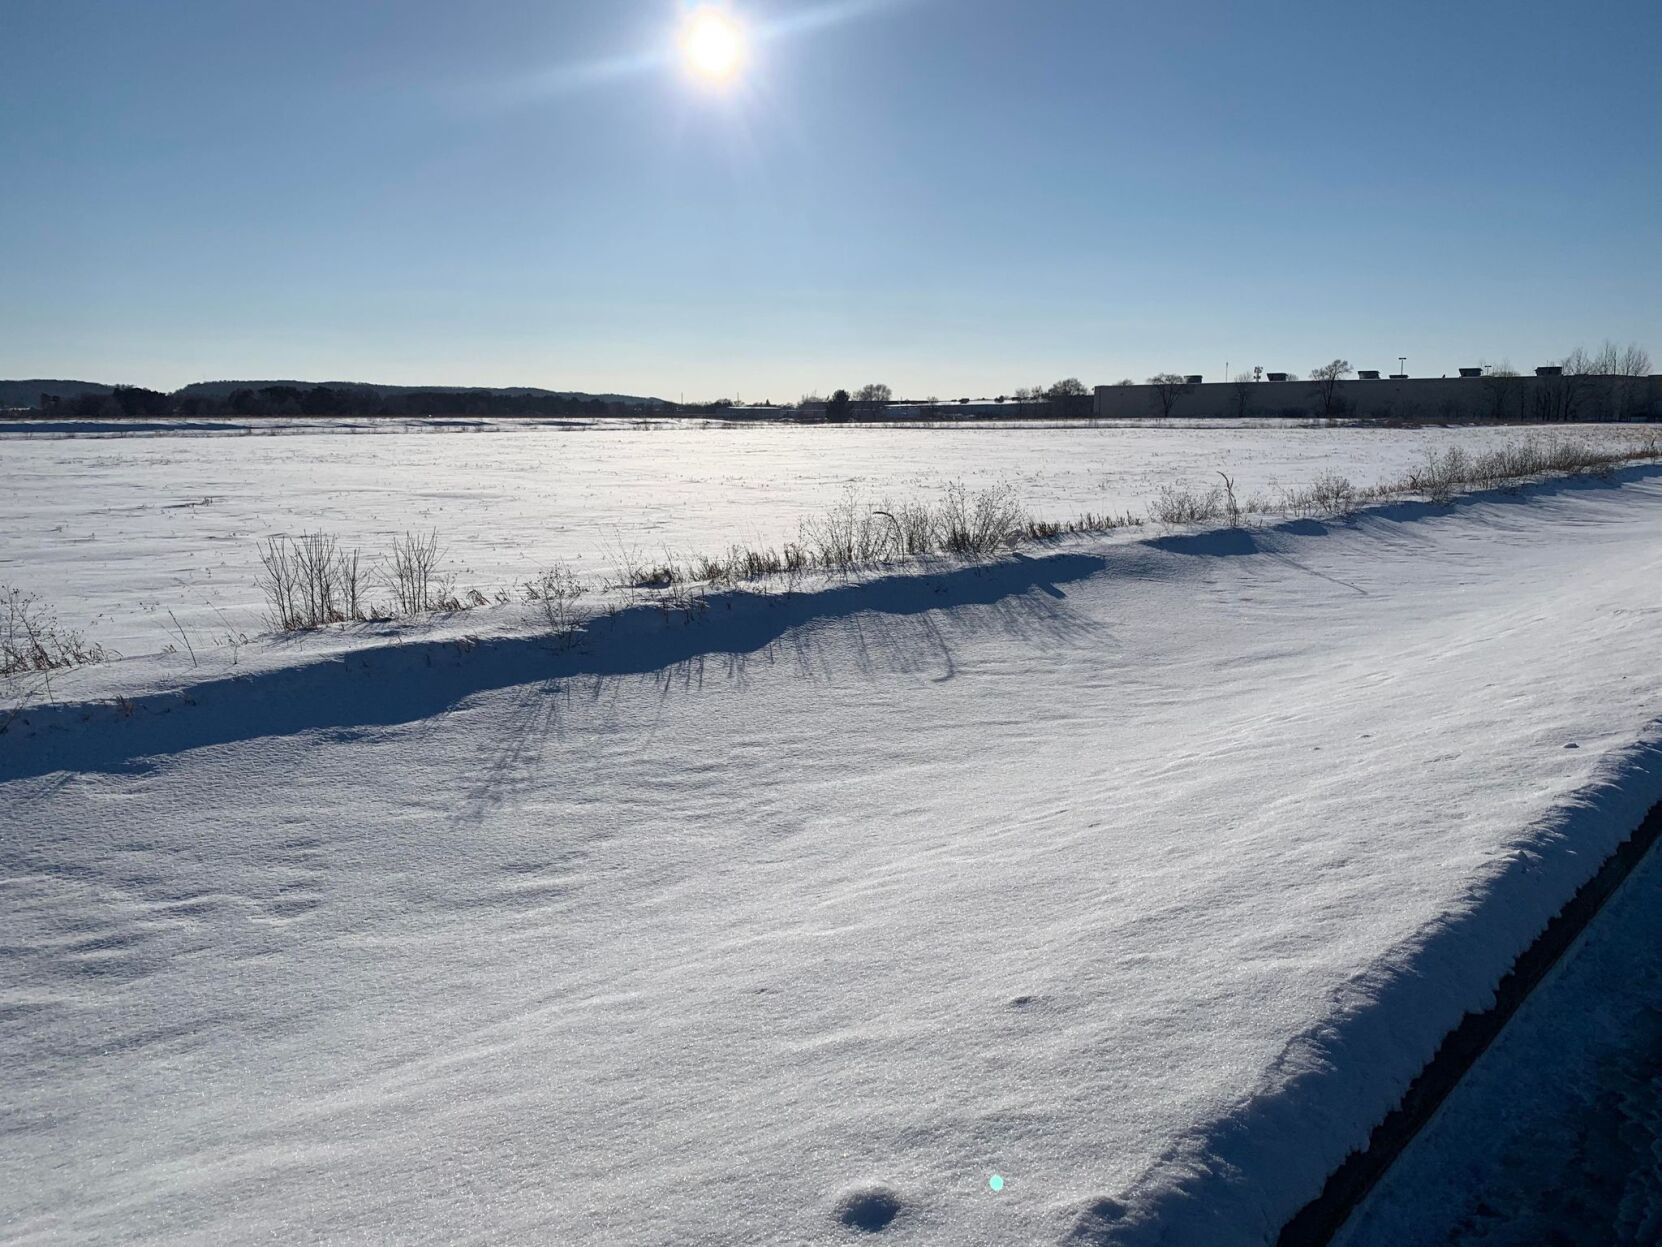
(1337, 1080)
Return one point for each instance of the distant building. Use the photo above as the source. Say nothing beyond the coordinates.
(1549, 396)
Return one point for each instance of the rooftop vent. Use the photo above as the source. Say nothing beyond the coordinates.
(1368, 374)
(1399, 376)
(1277, 376)
(1194, 380)
(1550, 370)
(1471, 372)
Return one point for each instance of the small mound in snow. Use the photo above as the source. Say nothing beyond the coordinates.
(1094, 1222)
(868, 1208)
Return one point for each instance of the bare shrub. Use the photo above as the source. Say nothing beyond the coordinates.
(912, 526)
(33, 642)
(557, 591)
(978, 523)
(1329, 494)
(309, 582)
(414, 578)
(848, 535)
(1440, 473)
(279, 580)
(1186, 506)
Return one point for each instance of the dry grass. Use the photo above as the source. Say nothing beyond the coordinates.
(978, 524)
(34, 647)
(557, 591)
(33, 642)
(1186, 506)
(311, 581)
(1328, 495)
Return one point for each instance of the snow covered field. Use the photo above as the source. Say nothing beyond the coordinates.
(117, 531)
(1140, 875)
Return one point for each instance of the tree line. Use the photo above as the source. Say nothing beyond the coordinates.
(129, 401)
(1069, 397)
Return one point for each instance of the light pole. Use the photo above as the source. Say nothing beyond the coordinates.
(1402, 365)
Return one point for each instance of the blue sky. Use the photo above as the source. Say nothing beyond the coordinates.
(952, 196)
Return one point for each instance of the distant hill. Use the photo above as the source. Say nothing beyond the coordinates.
(27, 393)
(224, 389)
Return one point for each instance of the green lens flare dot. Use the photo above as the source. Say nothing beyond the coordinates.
(996, 1182)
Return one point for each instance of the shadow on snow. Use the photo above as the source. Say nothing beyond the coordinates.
(406, 682)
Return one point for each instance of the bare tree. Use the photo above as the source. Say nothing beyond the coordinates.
(1633, 361)
(1560, 398)
(872, 400)
(1623, 365)
(1027, 397)
(1610, 360)
(1241, 387)
(1069, 397)
(1507, 392)
(1168, 388)
(1578, 363)
(1327, 379)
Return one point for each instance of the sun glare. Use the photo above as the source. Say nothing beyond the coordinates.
(712, 44)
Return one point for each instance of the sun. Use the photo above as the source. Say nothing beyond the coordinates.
(712, 44)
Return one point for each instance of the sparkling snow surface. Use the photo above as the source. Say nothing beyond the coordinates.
(119, 531)
(1141, 874)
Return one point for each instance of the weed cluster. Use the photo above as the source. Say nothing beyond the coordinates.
(1329, 494)
(1442, 474)
(33, 647)
(33, 642)
(1186, 506)
(312, 581)
(556, 591)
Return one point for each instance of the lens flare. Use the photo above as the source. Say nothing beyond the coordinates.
(712, 44)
